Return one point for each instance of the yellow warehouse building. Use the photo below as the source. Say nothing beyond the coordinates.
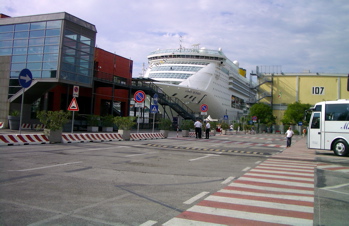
(279, 90)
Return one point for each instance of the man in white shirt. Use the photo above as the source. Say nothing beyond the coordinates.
(289, 133)
(198, 126)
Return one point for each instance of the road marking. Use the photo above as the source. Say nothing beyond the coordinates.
(331, 188)
(141, 154)
(196, 197)
(94, 149)
(246, 169)
(206, 156)
(148, 223)
(45, 167)
(228, 180)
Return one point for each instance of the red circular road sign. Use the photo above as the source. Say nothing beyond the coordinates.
(139, 96)
(204, 108)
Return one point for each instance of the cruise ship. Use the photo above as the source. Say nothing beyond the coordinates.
(202, 77)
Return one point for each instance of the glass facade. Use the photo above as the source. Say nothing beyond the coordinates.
(32, 45)
(50, 49)
(77, 57)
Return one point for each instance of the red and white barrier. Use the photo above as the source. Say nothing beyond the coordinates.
(90, 137)
(23, 139)
(33, 139)
(146, 136)
(26, 126)
(1, 125)
(38, 126)
(74, 138)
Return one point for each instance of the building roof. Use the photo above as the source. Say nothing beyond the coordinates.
(46, 17)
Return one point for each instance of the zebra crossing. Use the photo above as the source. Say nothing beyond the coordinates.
(279, 191)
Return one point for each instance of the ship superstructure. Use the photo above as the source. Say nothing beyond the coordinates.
(202, 76)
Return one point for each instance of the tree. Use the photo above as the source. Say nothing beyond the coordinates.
(263, 112)
(295, 113)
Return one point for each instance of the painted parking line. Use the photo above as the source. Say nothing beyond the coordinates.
(45, 167)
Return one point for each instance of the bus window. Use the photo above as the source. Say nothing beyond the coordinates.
(315, 124)
(337, 112)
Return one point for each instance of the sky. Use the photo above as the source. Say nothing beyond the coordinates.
(277, 35)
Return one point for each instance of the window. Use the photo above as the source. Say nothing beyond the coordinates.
(5, 44)
(337, 112)
(21, 27)
(53, 32)
(36, 41)
(51, 49)
(53, 24)
(37, 25)
(6, 28)
(315, 124)
(20, 42)
(19, 58)
(23, 34)
(35, 34)
(4, 36)
(35, 58)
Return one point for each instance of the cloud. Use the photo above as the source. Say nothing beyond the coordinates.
(295, 35)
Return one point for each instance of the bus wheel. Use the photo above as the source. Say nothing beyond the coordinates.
(340, 148)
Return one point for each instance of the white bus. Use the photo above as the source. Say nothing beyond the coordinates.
(329, 127)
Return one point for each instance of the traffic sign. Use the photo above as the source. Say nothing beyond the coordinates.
(25, 78)
(76, 91)
(139, 96)
(154, 108)
(155, 98)
(73, 106)
(203, 108)
(254, 118)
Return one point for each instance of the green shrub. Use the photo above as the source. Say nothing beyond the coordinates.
(187, 125)
(53, 120)
(165, 124)
(125, 123)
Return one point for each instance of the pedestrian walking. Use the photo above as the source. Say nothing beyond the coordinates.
(208, 127)
(289, 134)
(198, 126)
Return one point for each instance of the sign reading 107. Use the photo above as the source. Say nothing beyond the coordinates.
(318, 90)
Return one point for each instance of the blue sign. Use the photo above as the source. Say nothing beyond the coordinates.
(155, 98)
(225, 117)
(154, 109)
(25, 78)
(300, 123)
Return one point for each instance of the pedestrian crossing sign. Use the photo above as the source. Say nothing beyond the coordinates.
(154, 108)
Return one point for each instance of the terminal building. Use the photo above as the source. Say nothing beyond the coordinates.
(59, 50)
(281, 89)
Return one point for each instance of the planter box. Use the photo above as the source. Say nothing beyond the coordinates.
(107, 129)
(92, 128)
(13, 122)
(54, 136)
(164, 132)
(125, 134)
(185, 133)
